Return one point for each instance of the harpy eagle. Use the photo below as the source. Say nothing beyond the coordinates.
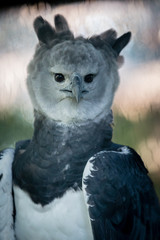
(70, 181)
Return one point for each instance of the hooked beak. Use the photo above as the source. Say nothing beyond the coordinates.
(77, 87)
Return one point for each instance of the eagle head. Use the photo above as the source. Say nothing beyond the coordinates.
(74, 79)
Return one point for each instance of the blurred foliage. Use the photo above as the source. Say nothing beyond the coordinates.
(14, 127)
(131, 133)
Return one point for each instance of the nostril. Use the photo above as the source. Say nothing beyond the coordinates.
(84, 91)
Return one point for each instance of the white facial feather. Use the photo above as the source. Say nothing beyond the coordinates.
(68, 58)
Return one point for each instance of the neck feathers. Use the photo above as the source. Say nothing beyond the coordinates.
(54, 160)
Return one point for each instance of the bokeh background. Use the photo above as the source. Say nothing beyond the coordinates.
(136, 105)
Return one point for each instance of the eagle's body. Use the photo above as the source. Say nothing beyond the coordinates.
(70, 181)
(50, 169)
(54, 160)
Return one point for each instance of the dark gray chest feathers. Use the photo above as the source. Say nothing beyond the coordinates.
(54, 160)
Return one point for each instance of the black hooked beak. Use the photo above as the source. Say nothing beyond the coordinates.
(77, 87)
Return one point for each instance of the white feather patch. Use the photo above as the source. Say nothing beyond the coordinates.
(89, 168)
(121, 150)
(6, 199)
(65, 218)
(124, 150)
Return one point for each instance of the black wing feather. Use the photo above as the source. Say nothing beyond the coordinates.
(121, 199)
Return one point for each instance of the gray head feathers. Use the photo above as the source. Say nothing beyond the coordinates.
(73, 79)
(61, 24)
(43, 29)
(46, 34)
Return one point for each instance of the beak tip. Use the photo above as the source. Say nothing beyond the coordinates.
(78, 98)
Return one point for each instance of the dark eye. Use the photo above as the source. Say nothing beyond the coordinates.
(59, 77)
(89, 78)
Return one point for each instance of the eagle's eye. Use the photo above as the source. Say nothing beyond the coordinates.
(89, 78)
(59, 77)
